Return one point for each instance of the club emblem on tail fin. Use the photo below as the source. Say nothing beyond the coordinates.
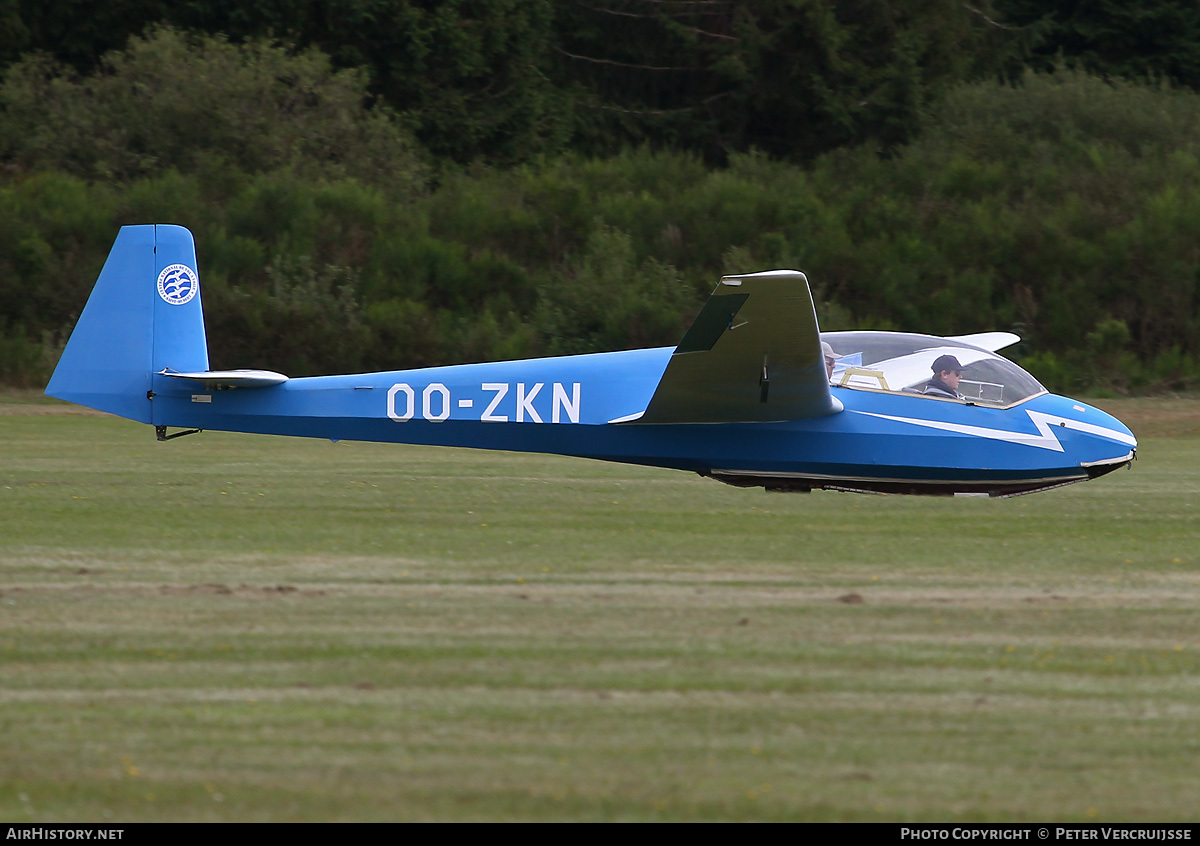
(177, 284)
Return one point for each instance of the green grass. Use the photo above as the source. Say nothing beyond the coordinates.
(233, 627)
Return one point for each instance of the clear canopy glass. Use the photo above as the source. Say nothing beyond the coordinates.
(899, 362)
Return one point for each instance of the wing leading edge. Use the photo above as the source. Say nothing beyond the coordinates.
(753, 354)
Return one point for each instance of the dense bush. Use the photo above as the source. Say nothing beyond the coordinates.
(201, 104)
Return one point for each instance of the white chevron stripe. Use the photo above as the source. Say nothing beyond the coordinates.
(1080, 426)
(1046, 438)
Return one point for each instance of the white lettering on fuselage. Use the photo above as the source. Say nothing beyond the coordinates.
(561, 403)
(437, 402)
(525, 402)
(427, 402)
(410, 401)
(501, 390)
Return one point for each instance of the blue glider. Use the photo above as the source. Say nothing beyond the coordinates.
(753, 395)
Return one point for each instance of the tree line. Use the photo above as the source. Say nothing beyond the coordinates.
(505, 81)
(929, 173)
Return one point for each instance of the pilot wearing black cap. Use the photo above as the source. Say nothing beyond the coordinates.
(946, 373)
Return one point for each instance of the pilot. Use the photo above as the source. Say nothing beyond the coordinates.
(946, 374)
(830, 358)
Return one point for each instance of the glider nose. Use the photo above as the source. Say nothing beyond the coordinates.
(1115, 429)
(1108, 443)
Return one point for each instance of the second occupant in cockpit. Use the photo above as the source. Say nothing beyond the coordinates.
(946, 374)
(830, 358)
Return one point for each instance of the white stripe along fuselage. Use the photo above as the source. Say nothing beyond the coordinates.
(1046, 438)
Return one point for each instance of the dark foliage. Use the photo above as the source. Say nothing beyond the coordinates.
(1064, 206)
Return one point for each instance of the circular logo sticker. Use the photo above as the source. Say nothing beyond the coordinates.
(177, 284)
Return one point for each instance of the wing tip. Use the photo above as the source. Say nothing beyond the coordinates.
(735, 280)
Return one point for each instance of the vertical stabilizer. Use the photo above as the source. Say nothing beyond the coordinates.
(143, 315)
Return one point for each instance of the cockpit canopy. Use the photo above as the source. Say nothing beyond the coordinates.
(899, 362)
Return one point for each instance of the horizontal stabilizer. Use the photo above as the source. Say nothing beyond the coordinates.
(752, 354)
(220, 379)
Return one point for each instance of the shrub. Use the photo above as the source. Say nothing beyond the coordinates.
(172, 100)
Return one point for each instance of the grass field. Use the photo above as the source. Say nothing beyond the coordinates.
(234, 627)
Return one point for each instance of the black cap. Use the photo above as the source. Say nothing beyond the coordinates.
(946, 362)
